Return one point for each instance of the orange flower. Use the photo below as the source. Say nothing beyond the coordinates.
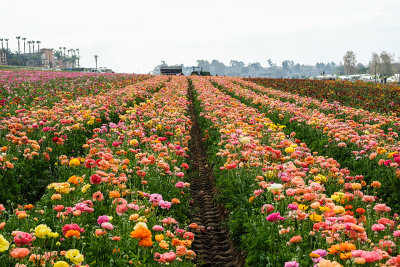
(181, 251)
(28, 207)
(360, 211)
(295, 239)
(176, 242)
(21, 214)
(175, 201)
(114, 194)
(100, 232)
(376, 184)
(55, 197)
(163, 245)
(76, 180)
(72, 233)
(187, 242)
(193, 226)
(141, 232)
(19, 253)
(146, 242)
(347, 246)
(345, 256)
(334, 249)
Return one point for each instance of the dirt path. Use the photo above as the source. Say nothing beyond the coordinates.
(213, 245)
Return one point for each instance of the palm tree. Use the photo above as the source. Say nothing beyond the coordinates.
(77, 50)
(38, 47)
(29, 45)
(95, 58)
(6, 42)
(33, 46)
(19, 50)
(24, 39)
(64, 50)
(1, 40)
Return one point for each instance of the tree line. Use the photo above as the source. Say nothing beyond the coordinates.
(380, 64)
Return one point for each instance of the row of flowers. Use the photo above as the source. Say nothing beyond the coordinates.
(34, 139)
(374, 153)
(340, 111)
(369, 138)
(369, 96)
(121, 202)
(289, 206)
(28, 89)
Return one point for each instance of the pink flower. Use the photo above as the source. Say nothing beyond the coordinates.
(267, 208)
(292, 264)
(292, 206)
(169, 221)
(107, 226)
(378, 227)
(382, 208)
(273, 217)
(368, 199)
(22, 238)
(165, 204)
(155, 198)
(180, 174)
(158, 228)
(115, 144)
(372, 256)
(180, 185)
(132, 206)
(396, 233)
(103, 219)
(98, 196)
(121, 209)
(188, 235)
(258, 192)
(72, 226)
(290, 192)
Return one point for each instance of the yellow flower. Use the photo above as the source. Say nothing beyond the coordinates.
(289, 149)
(61, 264)
(42, 230)
(159, 127)
(133, 142)
(74, 162)
(85, 188)
(74, 256)
(315, 217)
(303, 207)
(339, 209)
(159, 238)
(324, 208)
(320, 178)
(4, 244)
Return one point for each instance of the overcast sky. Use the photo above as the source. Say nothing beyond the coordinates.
(135, 36)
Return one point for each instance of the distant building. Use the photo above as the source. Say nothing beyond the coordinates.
(171, 70)
(43, 59)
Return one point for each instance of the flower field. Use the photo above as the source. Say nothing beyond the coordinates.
(368, 96)
(107, 170)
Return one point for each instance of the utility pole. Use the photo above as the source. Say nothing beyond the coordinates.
(95, 58)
